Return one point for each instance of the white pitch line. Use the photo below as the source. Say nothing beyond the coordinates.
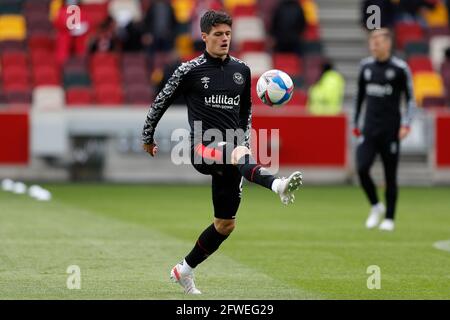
(442, 245)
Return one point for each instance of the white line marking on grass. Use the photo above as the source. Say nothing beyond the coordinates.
(442, 245)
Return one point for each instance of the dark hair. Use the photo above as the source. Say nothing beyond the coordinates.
(386, 32)
(212, 18)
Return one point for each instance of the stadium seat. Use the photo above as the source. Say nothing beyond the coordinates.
(12, 27)
(19, 96)
(230, 5)
(417, 48)
(42, 57)
(437, 16)
(183, 10)
(46, 75)
(427, 84)
(12, 45)
(40, 41)
(48, 98)
(311, 12)
(312, 48)
(420, 64)
(14, 76)
(313, 68)
(138, 94)
(434, 102)
(14, 58)
(312, 33)
(248, 29)
(244, 11)
(134, 59)
(252, 46)
(134, 74)
(108, 95)
(79, 96)
(76, 80)
(104, 59)
(95, 13)
(437, 50)
(438, 31)
(10, 6)
(407, 32)
(105, 75)
(289, 63)
(75, 65)
(299, 98)
(259, 62)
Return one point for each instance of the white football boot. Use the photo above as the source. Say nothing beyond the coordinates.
(387, 225)
(185, 280)
(288, 185)
(376, 214)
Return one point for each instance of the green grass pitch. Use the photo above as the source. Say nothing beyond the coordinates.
(126, 238)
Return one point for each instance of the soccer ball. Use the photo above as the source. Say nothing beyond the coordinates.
(275, 88)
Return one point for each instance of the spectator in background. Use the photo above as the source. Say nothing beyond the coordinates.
(200, 7)
(105, 38)
(167, 71)
(288, 23)
(68, 40)
(160, 27)
(409, 10)
(131, 36)
(387, 9)
(325, 96)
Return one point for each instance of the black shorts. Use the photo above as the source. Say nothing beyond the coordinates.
(226, 179)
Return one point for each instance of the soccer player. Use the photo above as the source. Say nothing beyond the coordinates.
(216, 88)
(383, 79)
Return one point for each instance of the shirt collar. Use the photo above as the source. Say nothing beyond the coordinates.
(218, 61)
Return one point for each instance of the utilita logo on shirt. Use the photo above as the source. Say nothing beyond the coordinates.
(377, 90)
(222, 101)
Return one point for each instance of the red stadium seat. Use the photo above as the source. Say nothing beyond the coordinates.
(41, 41)
(255, 46)
(299, 98)
(434, 102)
(104, 59)
(42, 57)
(14, 58)
(46, 75)
(108, 94)
(106, 75)
(15, 76)
(408, 32)
(79, 96)
(244, 10)
(138, 94)
(289, 63)
(420, 63)
(19, 96)
(312, 33)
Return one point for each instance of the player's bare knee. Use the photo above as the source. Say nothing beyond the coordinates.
(238, 153)
(224, 226)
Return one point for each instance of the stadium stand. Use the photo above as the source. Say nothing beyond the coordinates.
(30, 51)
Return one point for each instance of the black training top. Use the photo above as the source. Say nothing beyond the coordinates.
(383, 83)
(216, 91)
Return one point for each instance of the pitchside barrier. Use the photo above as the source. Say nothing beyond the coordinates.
(78, 142)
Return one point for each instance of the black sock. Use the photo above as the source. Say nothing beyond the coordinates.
(208, 242)
(254, 172)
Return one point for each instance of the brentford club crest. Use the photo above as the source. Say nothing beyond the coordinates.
(238, 78)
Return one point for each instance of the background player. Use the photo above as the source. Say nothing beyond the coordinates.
(382, 80)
